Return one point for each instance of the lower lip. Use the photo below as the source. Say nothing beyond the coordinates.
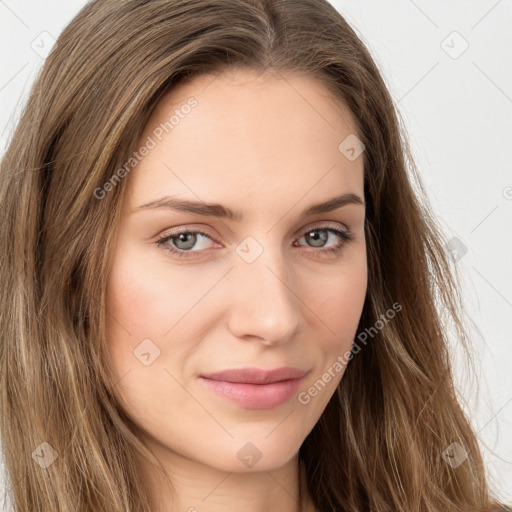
(255, 396)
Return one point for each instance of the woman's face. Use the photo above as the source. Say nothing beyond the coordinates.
(272, 286)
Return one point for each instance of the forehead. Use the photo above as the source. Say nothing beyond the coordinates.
(249, 135)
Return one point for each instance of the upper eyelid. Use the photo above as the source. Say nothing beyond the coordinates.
(315, 225)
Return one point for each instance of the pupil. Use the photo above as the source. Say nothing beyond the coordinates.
(318, 236)
(182, 237)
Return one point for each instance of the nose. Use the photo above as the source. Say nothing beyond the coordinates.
(265, 301)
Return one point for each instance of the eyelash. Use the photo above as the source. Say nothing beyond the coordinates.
(345, 236)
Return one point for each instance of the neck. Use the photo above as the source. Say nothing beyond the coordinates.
(197, 487)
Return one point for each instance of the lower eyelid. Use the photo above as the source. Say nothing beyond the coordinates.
(163, 241)
(344, 236)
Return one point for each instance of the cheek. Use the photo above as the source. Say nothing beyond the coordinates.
(145, 303)
(149, 297)
(338, 309)
(338, 303)
(137, 310)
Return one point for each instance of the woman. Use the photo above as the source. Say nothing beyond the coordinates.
(226, 291)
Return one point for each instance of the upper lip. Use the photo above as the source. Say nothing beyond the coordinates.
(256, 375)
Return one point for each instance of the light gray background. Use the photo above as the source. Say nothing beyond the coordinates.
(457, 108)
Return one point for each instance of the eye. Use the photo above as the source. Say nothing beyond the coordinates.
(180, 243)
(319, 236)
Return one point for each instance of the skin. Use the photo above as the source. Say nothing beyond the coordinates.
(267, 146)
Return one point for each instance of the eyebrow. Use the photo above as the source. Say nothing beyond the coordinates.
(218, 210)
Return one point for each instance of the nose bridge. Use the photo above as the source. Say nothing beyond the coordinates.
(264, 302)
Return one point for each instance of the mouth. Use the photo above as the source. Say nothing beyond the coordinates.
(255, 388)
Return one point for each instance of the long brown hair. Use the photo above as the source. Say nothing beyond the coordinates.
(379, 444)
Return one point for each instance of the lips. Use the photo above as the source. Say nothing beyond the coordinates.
(255, 388)
(256, 375)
